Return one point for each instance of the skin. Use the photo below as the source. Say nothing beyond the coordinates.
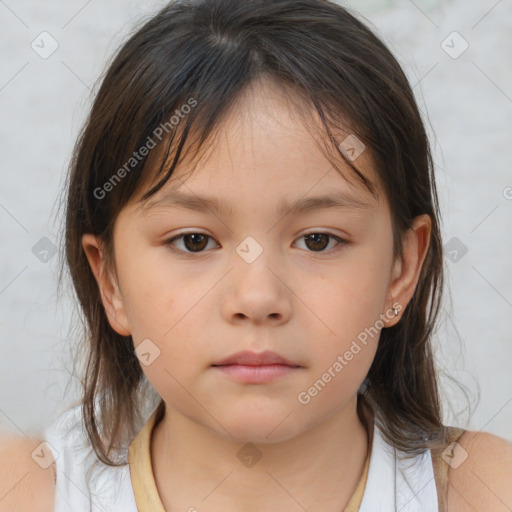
(287, 300)
(482, 481)
(306, 302)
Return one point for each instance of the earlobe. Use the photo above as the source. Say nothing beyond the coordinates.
(406, 273)
(109, 289)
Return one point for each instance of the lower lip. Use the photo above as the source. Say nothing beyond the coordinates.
(256, 374)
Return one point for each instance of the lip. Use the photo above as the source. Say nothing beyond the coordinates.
(248, 358)
(255, 368)
(255, 374)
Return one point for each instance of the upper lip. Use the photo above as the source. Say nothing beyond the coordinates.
(254, 359)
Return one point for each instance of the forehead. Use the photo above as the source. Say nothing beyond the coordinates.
(266, 145)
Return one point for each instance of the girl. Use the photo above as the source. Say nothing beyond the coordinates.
(253, 235)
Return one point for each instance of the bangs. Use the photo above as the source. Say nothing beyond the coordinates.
(196, 136)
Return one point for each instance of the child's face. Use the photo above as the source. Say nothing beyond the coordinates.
(257, 284)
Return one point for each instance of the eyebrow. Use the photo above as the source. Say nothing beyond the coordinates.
(180, 200)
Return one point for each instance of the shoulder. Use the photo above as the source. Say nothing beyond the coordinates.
(27, 480)
(480, 475)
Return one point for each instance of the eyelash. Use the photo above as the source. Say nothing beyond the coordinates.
(341, 242)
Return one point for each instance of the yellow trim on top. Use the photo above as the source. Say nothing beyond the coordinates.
(143, 480)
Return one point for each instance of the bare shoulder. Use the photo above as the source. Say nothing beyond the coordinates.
(27, 479)
(480, 477)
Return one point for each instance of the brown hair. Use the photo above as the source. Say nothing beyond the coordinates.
(210, 51)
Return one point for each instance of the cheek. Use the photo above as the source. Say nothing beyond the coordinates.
(350, 296)
(149, 286)
(170, 337)
(347, 304)
(163, 317)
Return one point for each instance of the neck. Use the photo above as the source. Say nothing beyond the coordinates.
(316, 470)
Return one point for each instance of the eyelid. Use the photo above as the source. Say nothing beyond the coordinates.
(340, 239)
(324, 231)
(168, 242)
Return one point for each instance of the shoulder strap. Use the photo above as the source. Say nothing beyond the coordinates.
(440, 465)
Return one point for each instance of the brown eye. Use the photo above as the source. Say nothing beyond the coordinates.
(197, 242)
(193, 242)
(318, 242)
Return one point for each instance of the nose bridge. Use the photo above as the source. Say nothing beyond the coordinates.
(254, 260)
(253, 248)
(255, 290)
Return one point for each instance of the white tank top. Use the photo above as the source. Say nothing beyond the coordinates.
(111, 488)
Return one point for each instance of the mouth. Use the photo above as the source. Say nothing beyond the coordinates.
(255, 359)
(255, 368)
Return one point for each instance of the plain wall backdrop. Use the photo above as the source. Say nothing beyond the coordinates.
(457, 56)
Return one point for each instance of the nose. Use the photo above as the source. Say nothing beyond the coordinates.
(257, 292)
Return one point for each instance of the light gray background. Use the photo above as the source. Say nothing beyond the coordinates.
(467, 105)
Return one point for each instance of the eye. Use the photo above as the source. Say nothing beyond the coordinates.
(194, 242)
(318, 241)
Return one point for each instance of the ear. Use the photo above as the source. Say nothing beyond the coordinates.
(406, 273)
(109, 288)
